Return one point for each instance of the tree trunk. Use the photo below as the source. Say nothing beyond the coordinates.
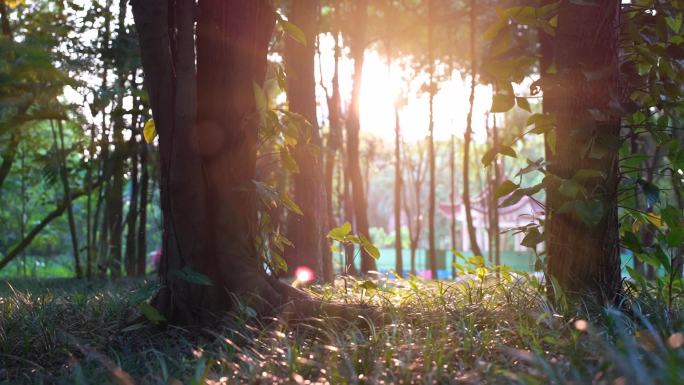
(58, 137)
(8, 156)
(308, 231)
(583, 248)
(350, 267)
(132, 215)
(432, 253)
(141, 259)
(452, 202)
(208, 150)
(399, 266)
(334, 136)
(467, 137)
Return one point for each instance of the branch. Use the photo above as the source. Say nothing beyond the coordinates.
(15, 250)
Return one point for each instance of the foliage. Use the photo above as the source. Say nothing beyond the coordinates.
(473, 331)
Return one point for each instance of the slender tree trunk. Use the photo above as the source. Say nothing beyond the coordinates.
(22, 220)
(89, 205)
(58, 137)
(399, 266)
(452, 202)
(334, 136)
(466, 142)
(357, 46)
(141, 259)
(495, 200)
(8, 156)
(132, 216)
(350, 267)
(307, 232)
(432, 253)
(583, 251)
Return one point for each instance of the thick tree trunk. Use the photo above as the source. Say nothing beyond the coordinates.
(583, 255)
(467, 137)
(357, 46)
(207, 141)
(307, 232)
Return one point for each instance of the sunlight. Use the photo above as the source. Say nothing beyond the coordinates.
(383, 86)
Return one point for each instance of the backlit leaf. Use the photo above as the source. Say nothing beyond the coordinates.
(338, 233)
(293, 31)
(505, 188)
(150, 131)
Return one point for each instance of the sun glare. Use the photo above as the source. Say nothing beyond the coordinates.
(383, 86)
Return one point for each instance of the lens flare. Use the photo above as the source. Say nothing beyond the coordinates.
(304, 274)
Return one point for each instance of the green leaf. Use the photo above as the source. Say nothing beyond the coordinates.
(488, 157)
(630, 241)
(502, 103)
(476, 261)
(189, 275)
(672, 216)
(505, 188)
(339, 233)
(523, 103)
(368, 285)
(569, 188)
(290, 204)
(675, 23)
(585, 174)
(591, 211)
(369, 247)
(675, 237)
(293, 31)
(532, 238)
(151, 313)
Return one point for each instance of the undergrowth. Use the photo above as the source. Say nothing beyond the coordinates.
(467, 332)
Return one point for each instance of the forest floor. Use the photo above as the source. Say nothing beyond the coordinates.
(468, 332)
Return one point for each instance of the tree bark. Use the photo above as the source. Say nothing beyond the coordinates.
(452, 202)
(141, 259)
(208, 150)
(432, 252)
(308, 231)
(583, 256)
(132, 216)
(334, 135)
(467, 137)
(399, 265)
(58, 137)
(357, 46)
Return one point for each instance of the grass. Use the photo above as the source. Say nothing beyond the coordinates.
(469, 332)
